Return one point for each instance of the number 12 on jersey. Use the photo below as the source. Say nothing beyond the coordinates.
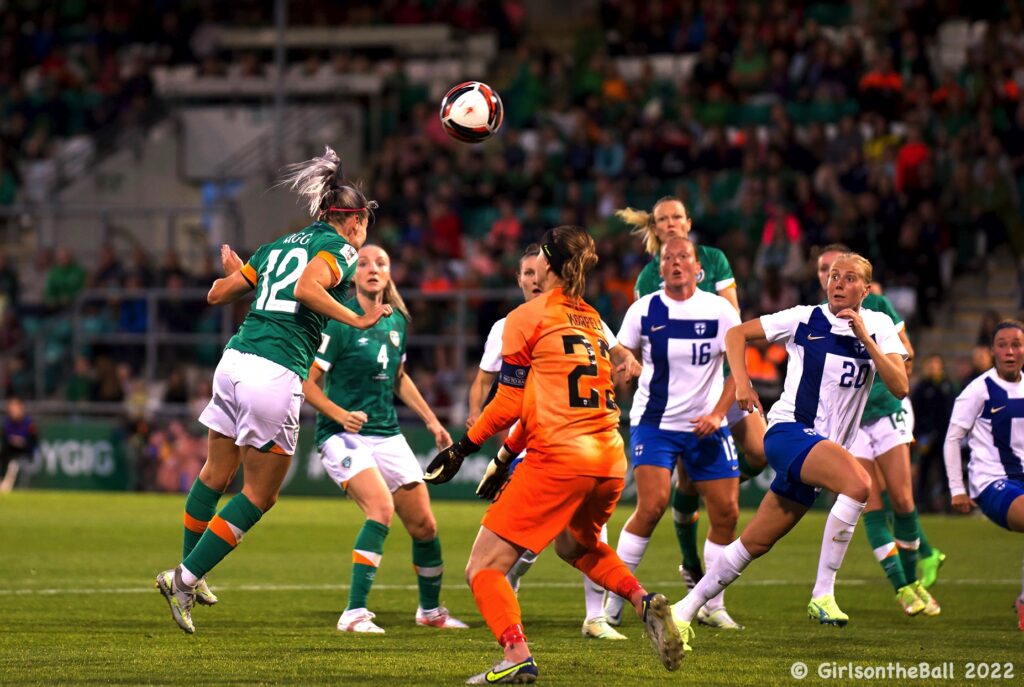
(274, 281)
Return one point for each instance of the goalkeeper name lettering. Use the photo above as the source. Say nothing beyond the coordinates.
(584, 322)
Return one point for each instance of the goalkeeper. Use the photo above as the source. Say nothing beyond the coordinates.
(556, 376)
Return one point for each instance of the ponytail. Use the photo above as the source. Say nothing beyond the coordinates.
(580, 256)
(642, 226)
(394, 299)
(322, 185)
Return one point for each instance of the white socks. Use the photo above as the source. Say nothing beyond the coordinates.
(520, 568)
(593, 593)
(631, 550)
(732, 560)
(838, 531)
(712, 552)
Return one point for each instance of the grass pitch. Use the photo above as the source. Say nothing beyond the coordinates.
(78, 605)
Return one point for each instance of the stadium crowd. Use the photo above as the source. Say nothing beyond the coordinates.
(798, 126)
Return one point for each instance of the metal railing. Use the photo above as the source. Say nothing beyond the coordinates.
(149, 346)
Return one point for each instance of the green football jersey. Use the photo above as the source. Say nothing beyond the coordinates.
(278, 327)
(362, 366)
(715, 273)
(881, 402)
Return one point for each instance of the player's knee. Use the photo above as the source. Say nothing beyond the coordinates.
(725, 518)
(649, 513)
(265, 502)
(902, 500)
(423, 528)
(858, 487)
(382, 513)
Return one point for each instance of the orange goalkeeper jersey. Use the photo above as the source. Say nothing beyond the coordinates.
(556, 377)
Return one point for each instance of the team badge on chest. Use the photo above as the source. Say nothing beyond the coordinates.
(700, 328)
(395, 339)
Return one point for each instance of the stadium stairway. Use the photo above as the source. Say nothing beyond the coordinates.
(995, 287)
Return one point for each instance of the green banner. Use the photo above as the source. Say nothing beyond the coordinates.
(93, 455)
(81, 455)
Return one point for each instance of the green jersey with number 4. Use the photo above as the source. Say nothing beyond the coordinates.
(278, 327)
(361, 367)
(881, 402)
(715, 273)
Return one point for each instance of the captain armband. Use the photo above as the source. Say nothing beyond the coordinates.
(513, 375)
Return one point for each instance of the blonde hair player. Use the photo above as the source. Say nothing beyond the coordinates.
(253, 417)
(835, 350)
(362, 447)
(882, 445)
(669, 218)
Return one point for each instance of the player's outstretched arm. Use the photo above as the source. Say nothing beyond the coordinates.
(954, 470)
(410, 395)
(236, 282)
(625, 366)
(500, 413)
(478, 393)
(736, 352)
(311, 291)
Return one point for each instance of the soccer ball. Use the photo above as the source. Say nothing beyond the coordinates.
(471, 112)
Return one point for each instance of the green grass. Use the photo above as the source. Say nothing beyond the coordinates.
(78, 607)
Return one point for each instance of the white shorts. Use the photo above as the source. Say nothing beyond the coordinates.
(908, 414)
(735, 414)
(256, 402)
(878, 436)
(345, 455)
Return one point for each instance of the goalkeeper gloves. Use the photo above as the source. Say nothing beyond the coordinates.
(446, 464)
(496, 474)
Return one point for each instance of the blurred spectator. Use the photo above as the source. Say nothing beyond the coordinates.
(9, 285)
(109, 272)
(175, 387)
(64, 280)
(979, 363)
(932, 400)
(986, 329)
(18, 443)
(108, 388)
(80, 382)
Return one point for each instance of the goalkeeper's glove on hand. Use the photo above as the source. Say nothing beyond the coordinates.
(496, 475)
(446, 464)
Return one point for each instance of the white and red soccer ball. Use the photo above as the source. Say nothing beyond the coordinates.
(471, 112)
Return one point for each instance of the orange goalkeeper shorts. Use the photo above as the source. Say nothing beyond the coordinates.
(535, 506)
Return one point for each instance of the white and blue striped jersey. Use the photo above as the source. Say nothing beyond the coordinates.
(829, 374)
(682, 344)
(986, 410)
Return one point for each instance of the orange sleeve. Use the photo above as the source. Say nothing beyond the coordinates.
(499, 414)
(249, 272)
(516, 440)
(507, 404)
(332, 262)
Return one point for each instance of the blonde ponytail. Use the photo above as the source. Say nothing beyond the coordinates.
(642, 226)
(394, 299)
(322, 185)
